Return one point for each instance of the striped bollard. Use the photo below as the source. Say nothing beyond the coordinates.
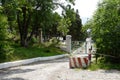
(79, 61)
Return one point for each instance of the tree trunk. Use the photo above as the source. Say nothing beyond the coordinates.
(23, 27)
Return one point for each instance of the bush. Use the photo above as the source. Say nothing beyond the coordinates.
(53, 42)
(4, 44)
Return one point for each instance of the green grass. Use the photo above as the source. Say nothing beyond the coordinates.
(103, 65)
(20, 53)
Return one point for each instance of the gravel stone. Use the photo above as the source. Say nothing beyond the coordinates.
(55, 70)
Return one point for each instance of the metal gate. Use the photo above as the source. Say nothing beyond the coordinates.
(76, 44)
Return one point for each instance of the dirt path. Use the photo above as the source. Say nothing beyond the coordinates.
(55, 70)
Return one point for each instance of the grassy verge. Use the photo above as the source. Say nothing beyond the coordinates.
(20, 53)
(103, 65)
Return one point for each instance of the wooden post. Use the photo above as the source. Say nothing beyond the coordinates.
(40, 36)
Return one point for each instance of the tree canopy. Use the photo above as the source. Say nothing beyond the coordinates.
(27, 18)
(105, 26)
(5, 48)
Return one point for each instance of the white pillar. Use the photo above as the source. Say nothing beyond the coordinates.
(68, 43)
(88, 41)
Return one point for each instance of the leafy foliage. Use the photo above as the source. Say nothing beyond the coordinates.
(76, 28)
(4, 45)
(76, 24)
(28, 21)
(64, 24)
(106, 29)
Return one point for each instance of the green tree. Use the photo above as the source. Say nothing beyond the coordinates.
(4, 44)
(63, 26)
(52, 29)
(30, 16)
(27, 17)
(76, 25)
(105, 29)
(76, 28)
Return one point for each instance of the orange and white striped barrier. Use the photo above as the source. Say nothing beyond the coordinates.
(81, 61)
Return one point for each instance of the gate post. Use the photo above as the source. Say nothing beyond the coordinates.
(68, 43)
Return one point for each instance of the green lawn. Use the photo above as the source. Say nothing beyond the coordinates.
(20, 53)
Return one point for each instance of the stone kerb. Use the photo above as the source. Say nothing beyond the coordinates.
(28, 61)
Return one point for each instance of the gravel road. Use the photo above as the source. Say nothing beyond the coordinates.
(55, 70)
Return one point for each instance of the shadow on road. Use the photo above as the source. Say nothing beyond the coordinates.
(4, 73)
(111, 71)
(14, 79)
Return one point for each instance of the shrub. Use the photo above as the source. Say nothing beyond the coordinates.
(5, 48)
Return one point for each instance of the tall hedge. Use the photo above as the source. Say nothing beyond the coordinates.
(106, 29)
(105, 26)
(4, 44)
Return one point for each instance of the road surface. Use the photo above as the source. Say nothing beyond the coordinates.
(55, 70)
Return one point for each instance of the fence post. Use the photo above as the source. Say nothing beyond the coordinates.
(68, 43)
